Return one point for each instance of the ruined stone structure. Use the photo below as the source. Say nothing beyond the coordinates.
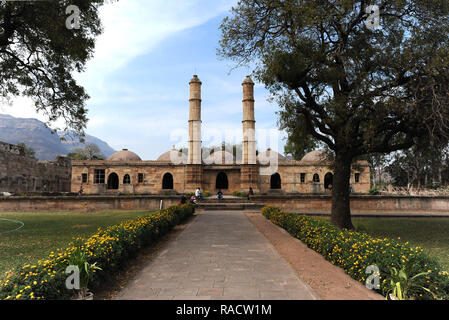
(177, 172)
(20, 174)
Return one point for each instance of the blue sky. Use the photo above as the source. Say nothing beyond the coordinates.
(138, 79)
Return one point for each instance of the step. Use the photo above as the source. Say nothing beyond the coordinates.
(230, 206)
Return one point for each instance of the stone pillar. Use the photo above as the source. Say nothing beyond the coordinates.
(249, 172)
(248, 123)
(194, 173)
(194, 155)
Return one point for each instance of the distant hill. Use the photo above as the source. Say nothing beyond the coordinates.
(71, 144)
(47, 145)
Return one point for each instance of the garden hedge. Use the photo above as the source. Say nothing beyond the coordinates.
(355, 251)
(110, 248)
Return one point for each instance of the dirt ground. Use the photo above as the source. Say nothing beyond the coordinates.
(329, 281)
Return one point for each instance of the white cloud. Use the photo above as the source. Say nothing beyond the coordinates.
(134, 27)
(131, 28)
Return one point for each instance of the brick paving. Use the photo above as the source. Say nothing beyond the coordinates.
(220, 255)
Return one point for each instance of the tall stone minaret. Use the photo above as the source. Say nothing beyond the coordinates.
(194, 155)
(249, 171)
(193, 174)
(249, 123)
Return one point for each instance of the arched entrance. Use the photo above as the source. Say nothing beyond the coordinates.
(275, 181)
(113, 181)
(328, 180)
(222, 181)
(167, 181)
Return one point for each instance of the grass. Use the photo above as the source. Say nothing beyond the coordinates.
(44, 232)
(431, 234)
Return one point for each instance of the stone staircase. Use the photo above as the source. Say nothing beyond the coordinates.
(229, 204)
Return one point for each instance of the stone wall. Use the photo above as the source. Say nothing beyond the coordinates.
(61, 203)
(19, 174)
(299, 203)
(359, 203)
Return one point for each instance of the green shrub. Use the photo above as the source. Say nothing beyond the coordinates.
(355, 251)
(109, 248)
(241, 194)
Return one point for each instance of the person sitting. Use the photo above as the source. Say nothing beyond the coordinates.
(219, 195)
(250, 193)
(193, 199)
(183, 199)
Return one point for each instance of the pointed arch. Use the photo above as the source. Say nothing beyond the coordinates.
(222, 181)
(126, 179)
(167, 181)
(113, 181)
(275, 181)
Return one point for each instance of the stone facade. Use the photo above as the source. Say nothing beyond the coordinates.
(19, 174)
(174, 172)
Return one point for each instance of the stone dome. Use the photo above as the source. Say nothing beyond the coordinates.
(124, 155)
(315, 156)
(173, 156)
(269, 155)
(220, 157)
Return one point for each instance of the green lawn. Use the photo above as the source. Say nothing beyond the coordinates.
(431, 234)
(43, 232)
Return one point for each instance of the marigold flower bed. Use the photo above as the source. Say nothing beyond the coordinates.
(355, 251)
(109, 248)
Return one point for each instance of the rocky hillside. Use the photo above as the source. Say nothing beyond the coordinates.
(47, 145)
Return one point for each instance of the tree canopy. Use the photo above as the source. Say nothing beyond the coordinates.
(89, 152)
(357, 89)
(39, 54)
(28, 151)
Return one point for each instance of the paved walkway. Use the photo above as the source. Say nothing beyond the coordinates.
(220, 255)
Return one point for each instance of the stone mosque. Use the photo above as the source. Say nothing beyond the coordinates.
(175, 172)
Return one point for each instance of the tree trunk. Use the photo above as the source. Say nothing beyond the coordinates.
(341, 211)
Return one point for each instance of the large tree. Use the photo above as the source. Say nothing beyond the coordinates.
(89, 152)
(41, 47)
(358, 89)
